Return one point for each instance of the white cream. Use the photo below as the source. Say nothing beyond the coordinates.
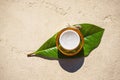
(69, 39)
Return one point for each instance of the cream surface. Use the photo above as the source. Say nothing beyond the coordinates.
(69, 39)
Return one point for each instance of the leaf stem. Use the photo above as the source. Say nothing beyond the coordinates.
(30, 55)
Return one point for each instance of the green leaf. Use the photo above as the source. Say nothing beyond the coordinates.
(92, 37)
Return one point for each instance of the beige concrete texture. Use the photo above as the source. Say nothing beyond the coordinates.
(26, 24)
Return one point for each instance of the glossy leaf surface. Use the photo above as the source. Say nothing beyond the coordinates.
(92, 37)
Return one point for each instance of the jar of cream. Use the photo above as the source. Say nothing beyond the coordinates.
(69, 41)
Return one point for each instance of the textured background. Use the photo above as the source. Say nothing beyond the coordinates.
(26, 24)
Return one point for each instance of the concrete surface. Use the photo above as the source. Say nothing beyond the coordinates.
(26, 24)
